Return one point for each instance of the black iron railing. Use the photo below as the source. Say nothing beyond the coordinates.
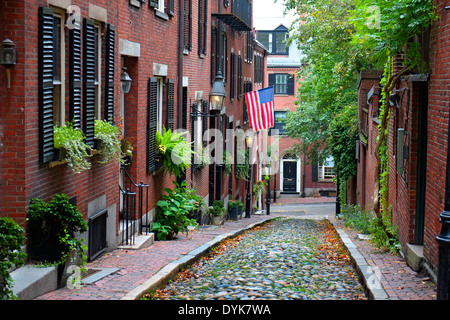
(134, 216)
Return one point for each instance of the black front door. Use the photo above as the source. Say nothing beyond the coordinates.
(289, 176)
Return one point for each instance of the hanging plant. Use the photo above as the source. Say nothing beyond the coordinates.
(175, 151)
(227, 163)
(109, 144)
(71, 141)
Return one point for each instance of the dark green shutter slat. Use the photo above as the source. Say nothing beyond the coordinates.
(171, 8)
(291, 85)
(153, 3)
(152, 121)
(205, 27)
(200, 27)
(171, 104)
(213, 53)
(75, 78)
(271, 80)
(89, 81)
(205, 119)
(109, 73)
(46, 47)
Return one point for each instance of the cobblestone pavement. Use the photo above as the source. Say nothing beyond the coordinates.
(136, 267)
(286, 259)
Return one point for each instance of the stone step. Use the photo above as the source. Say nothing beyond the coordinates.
(31, 281)
(142, 241)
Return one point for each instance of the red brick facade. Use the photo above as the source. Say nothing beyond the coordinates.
(149, 43)
(417, 184)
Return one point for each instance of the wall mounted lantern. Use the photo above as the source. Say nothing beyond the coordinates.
(125, 81)
(217, 94)
(8, 58)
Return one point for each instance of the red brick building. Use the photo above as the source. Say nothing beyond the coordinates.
(418, 143)
(171, 49)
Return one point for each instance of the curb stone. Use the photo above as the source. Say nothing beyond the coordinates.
(169, 271)
(370, 276)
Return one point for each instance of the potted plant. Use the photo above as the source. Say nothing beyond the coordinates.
(70, 144)
(233, 208)
(127, 152)
(216, 212)
(53, 228)
(174, 150)
(108, 142)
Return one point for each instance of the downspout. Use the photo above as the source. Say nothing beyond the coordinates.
(180, 63)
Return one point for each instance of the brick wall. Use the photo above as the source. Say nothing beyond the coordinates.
(438, 106)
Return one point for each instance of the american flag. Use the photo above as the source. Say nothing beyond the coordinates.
(260, 105)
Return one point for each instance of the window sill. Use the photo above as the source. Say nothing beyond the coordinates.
(162, 15)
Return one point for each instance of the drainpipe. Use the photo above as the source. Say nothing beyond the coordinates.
(180, 62)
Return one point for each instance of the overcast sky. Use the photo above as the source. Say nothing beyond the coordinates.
(268, 15)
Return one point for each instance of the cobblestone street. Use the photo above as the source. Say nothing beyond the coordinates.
(285, 259)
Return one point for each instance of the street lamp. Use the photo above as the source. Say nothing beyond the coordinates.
(217, 94)
(125, 80)
(248, 143)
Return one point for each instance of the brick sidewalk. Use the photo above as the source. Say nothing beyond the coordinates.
(398, 280)
(137, 266)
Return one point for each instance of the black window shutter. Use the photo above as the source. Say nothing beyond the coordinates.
(213, 53)
(171, 104)
(200, 27)
(205, 26)
(239, 79)
(75, 78)
(233, 76)
(153, 3)
(171, 7)
(291, 85)
(205, 119)
(46, 45)
(109, 73)
(89, 81)
(272, 80)
(152, 121)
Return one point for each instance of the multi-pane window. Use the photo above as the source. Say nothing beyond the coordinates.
(159, 102)
(279, 122)
(326, 170)
(275, 40)
(283, 83)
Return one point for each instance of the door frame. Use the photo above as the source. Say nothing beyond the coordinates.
(297, 186)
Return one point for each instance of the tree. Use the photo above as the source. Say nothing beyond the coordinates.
(398, 23)
(332, 63)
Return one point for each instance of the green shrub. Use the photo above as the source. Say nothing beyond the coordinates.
(11, 240)
(217, 209)
(52, 230)
(172, 212)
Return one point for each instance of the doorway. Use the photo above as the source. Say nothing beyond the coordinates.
(290, 176)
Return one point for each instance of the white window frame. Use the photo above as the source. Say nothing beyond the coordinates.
(59, 88)
(160, 6)
(326, 170)
(159, 101)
